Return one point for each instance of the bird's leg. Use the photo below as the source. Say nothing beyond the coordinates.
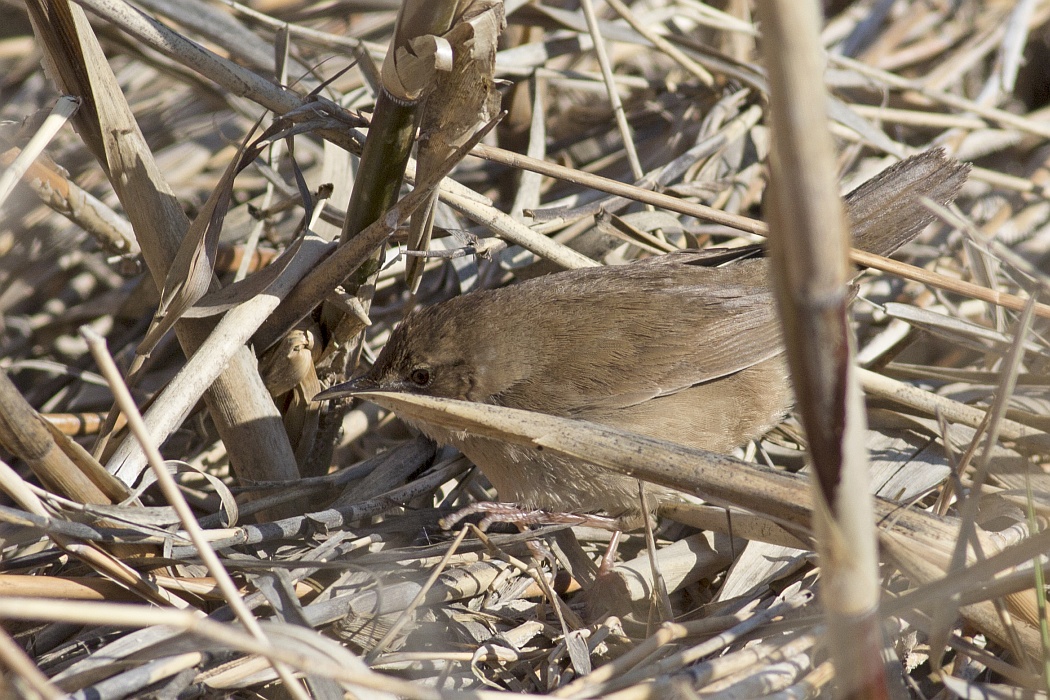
(609, 558)
(512, 513)
(522, 517)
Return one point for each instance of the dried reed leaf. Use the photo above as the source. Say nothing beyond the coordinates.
(461, 97)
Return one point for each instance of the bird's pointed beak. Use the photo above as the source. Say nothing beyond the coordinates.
(354, 386)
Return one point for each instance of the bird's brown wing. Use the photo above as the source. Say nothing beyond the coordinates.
(662, 325)
(725, 321)
(637, 335)
(732, 324)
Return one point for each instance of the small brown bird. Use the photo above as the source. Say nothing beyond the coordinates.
(666, 347)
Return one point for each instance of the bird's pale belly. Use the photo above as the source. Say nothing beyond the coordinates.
(696, 417)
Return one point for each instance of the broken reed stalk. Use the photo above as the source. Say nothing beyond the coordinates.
(238, 402)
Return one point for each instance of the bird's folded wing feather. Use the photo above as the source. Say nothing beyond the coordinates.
(688, 326)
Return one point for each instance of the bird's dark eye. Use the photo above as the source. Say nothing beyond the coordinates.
(420, 377)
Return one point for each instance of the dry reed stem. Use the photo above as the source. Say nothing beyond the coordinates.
(809, 251)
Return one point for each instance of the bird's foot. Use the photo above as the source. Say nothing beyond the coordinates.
(515, 514)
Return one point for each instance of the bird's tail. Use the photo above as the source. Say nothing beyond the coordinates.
(887, 211)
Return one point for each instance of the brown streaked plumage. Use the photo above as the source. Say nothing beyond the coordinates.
(666, 347)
